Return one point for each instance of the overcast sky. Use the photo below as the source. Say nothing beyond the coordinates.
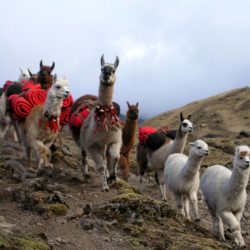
(171, 52)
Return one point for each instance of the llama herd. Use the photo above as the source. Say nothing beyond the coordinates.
(101, 135)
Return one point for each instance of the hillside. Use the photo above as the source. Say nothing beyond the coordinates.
(58, 209)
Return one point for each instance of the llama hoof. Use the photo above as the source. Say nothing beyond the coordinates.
(105, 189)
(48, 165)
(86, 176)
(111, 178)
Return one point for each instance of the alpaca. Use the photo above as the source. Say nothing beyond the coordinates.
(182, 177)
(102, 129)
(24, 75)
(225, 194)
(41, 126)
(158, 157)
(128, 138)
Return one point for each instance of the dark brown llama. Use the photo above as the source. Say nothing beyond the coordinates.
(44, 76)
(128, 139)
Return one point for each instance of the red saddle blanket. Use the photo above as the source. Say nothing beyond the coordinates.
(144, 132)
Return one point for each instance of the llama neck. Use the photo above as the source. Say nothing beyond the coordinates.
(239, 180)
(179, 142)
(53, 105)
(105, 96)
(192, 166)
(128, 131)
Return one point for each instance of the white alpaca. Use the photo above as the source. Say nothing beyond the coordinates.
(225, 194)
(182, 177)
(41, 126)
(24, 75)
(101, 129)
(158, 158)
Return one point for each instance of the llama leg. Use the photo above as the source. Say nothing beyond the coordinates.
(179, 204)
(97, 154)
(42, 153)
(234, 226)
(186, 207)
(114, 151)
(85, 165)
(194, 202)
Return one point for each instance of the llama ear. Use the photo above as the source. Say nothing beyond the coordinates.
(189, 116)
(21, 70)
(54, 78)
(30, 72)
(41, 64)
(137, 104)
(102, 60)
(116, 62)
(52, 66)
(128, 104)
(181, 117)
(191, 144)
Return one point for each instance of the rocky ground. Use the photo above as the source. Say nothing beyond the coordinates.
(59, 209)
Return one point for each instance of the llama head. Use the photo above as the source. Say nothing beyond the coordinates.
(133, 111)
(60, 88)
(107, 76)
(199, 148)
(44, 76)
(24, 75)
(186, 125)
(242, 157)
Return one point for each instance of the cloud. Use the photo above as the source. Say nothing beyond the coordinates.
(171, 52)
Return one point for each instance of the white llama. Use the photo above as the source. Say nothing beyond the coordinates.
(158, 158)
(101, 129)
(41, 126)
(225, 194)
(24, 75)
(182, 177)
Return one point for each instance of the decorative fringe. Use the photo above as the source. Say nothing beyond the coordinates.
(106, 117)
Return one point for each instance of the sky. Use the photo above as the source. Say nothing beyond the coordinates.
(171, 52)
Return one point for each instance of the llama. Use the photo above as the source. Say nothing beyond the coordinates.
(158, 157)
(44, 76)
(182, 177)
(128, 139)
(41, 126)
(225, 194)
(4, 118)
(24, 75)
(102, 129)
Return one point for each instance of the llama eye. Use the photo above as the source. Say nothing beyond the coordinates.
(241, 158)
(184, 124)
(58, 87)
(199, 147)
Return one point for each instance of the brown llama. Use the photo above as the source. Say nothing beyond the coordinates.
(41, 126)
(128, 139)
(102, 128)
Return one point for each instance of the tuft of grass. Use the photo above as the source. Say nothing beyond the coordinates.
(58, 209)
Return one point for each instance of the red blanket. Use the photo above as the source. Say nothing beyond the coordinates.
(144, 132)
(35, 96)
(20, 106)
(67, 102)
(64, 117)
(76, 120)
